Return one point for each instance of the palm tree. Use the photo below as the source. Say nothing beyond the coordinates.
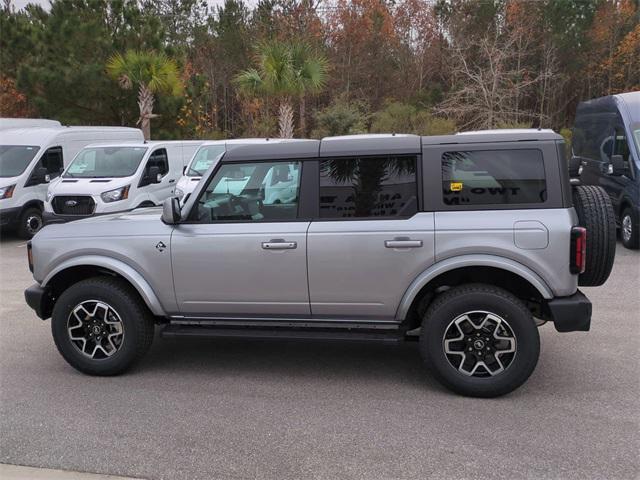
(153, 73)
(285, 71)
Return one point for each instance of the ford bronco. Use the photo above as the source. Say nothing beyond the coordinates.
(466, 243)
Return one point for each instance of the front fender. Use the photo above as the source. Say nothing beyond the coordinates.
(119, 267)
(469, 261)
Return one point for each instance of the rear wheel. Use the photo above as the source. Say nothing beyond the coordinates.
(629, 229)
(30, 222)
(101, 326)
(479, 340)
(595, 213)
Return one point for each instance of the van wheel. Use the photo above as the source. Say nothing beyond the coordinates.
(595, 213)
(30, 222)
(101, 326)
(479, 340)
(629, 229)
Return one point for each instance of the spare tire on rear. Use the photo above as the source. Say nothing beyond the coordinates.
(595, 213)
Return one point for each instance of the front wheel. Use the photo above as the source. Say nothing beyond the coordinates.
(479, 340)
(101, 326)
(30, 222)
(629, 229)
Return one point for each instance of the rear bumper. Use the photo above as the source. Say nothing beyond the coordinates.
(9, 216)
(39, 299)
(571, 314)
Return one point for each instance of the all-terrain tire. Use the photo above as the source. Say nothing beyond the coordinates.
(135, 319)
(30, 222)
(630, 229)
(595, 213)
(459, 302)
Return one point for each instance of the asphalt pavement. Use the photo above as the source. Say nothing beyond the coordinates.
(240, 409)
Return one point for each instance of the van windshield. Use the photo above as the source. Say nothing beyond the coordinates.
(14, 159)
(102, 162)
(203, 159)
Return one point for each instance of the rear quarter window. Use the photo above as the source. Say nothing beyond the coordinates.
(493, 177)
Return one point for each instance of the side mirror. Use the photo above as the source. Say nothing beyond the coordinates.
(171, 211)
(154, 174)
(41, 175)
(184, 169)
(616, 167)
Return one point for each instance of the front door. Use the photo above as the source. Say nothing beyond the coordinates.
(370, 241)
(243, 252)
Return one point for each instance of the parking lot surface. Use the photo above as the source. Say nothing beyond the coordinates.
(239, 409)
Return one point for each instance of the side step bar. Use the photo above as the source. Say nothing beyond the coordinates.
(173, 331)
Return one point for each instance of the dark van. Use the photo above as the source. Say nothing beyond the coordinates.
(606, 152)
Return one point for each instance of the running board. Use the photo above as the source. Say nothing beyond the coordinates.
(173, 331)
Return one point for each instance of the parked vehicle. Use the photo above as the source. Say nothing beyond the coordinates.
(31, 157)
(606, 152)
(116, 178)
(464, 242)
(7, 123)
(208, 154)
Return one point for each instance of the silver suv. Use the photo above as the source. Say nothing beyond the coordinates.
(464, 242)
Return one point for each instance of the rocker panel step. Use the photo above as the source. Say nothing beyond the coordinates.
(172, 331)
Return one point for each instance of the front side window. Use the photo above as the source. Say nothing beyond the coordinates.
(52, 161)
(491, 177)
(106, 162)
(261, 191)
(203, 159)
(159, 159)
(14, 159)
(368, 187)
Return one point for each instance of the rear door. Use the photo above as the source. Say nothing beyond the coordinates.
(371, 239)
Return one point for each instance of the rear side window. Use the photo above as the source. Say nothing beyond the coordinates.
(493, 177)
(365, 187)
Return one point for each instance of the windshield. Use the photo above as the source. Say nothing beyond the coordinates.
(14, 159)
(101, 162)
(636, 133)
(203, 159)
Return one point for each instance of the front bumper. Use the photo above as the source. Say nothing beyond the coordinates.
(48, 218)
(570, 314)
(39, 299)
(9, 216)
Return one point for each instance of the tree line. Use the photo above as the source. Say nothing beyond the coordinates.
(315, 67)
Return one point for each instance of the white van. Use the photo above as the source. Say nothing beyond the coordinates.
(6, 123)
(30, 157)
(110, 178)
(209, 153)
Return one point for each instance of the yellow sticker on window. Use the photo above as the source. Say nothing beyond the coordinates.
(456, 186)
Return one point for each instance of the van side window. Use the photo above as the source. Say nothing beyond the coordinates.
(159, 159)
(491, 177)
(53, 162)
(368, 187)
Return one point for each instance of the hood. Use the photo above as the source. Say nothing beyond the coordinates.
(86, 186)
(139, 222)
(6, 181)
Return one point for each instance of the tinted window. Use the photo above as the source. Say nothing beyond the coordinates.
(490, 177)
(159, 159)
(52, 161)
(591, 133)
(368, 187)
(14, 159)
(264, 191)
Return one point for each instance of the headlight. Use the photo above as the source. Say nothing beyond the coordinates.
(7, 192)
(178, 192)
(49, 195)
(115, 195)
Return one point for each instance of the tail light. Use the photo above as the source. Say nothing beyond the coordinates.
(578, 250)
(30, 256)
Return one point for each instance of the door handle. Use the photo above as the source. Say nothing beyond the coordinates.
(172, 180)
(279, 244)
(403, 243)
